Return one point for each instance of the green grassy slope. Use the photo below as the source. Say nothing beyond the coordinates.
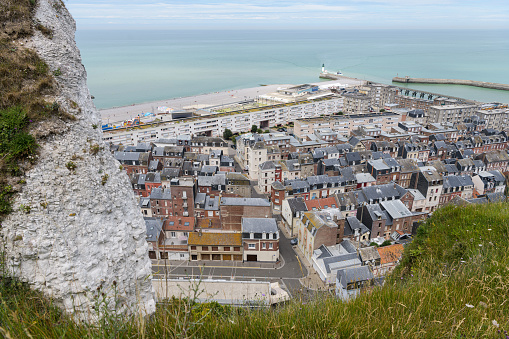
(453, 282)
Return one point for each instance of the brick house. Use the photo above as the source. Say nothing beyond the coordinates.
(399, 217)
(232, 211)
(134, 162)
(207, 212)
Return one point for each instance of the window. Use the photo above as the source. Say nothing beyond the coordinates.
(173, 234)
(186, 223)
(251, 246)
(236, 249)
(274, 235)
(215, 248)
(226, 249)
(263, 245)
(271, 246)
(211, 213)
(204, 248)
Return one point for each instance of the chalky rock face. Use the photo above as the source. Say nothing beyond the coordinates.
(77, 230)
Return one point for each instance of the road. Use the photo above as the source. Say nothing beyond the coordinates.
(289, 274)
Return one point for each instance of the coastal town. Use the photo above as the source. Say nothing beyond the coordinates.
(315, 187)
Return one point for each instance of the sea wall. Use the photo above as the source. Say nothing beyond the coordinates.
(483, 84)
(77, 230)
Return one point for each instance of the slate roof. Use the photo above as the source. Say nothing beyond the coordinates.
(379, 165)
(375, 211)
(341, 261)
(416, 193)
(208, 169)
(154, 227)
(200, 199)
(277, 185)
(408, 165)
(297, 205)
(352, 223)
(291, 165)
(127, 156)
(396, 209)
(354, 274)
(348, 246)
(158, 151)
(353, 156)
(211, 204)
(498, 176)
(379, 192)
(153, 165)
(153, 177)
(496, 197)
(259, 225)
(144, 202)
(218, 179)
(330, 162)
(158, 193)
(267, 165)
(364, 177)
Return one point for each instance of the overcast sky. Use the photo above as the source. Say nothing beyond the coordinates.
(311, 14)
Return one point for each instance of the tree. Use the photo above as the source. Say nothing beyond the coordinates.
(382, 110)
(254, 129)
(386, 243)
(227, 134)
(373, 244)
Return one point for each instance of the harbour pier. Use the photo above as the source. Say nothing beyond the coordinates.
(491, 85)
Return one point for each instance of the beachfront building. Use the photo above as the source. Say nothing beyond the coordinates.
(345, 124)
(214, 124)
(450, 113)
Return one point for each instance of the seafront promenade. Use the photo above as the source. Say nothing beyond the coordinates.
(201, 101)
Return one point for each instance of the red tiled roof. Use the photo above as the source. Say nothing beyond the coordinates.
(390, 254)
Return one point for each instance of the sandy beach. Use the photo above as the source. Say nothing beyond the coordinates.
(117, 114)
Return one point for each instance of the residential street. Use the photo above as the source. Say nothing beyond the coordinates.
(289, 274)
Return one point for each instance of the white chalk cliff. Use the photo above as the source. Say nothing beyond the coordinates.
(77, 232)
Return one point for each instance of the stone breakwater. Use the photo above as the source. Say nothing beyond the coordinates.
(77, 230)
(482, 84)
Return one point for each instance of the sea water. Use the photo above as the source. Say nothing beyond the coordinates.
(127, 66)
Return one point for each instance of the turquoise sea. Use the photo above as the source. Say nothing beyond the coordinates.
(126, 67)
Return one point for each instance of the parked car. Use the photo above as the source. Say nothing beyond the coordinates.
(294, 241)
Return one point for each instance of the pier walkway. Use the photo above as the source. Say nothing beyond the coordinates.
(491, 85)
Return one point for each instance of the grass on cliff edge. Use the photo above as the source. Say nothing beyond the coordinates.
(453, 282)
(27, 92)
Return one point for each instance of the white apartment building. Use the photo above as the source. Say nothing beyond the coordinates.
(215, 124)
(450, 113)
